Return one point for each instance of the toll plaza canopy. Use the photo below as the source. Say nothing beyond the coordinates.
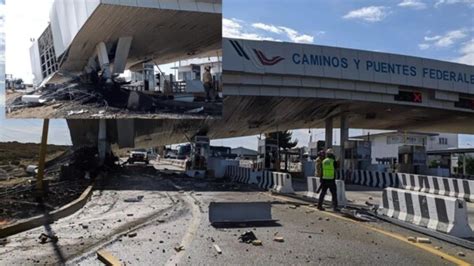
(162, 31)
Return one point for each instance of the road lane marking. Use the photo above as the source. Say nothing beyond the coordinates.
(190, 233)
(427, 248)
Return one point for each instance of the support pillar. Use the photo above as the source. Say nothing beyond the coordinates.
(102, 144)
(104, 62)
(328, 138)
(464, 164)
(344, 137)
(121, 54)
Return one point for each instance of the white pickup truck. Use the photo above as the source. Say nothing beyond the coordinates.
(140, 155)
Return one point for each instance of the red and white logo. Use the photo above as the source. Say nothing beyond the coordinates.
(265, 61)
(260, 59)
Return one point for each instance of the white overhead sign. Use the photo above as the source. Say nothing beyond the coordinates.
(340, 63)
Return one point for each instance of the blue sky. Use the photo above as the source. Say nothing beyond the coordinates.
(439, 29)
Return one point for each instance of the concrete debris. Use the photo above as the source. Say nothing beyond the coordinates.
(80, 112)
(411, 239)
(57, 106)
(32, 99)
(278, 239)
(310, 211)
(44, 238)
(129, 214)
(293, 207)
(179, 248)
(137, 199)
(218, 249)
(101, 113)
(257, 243)
(247, 237)
(84, 226)
(423, 240)
(196, 110)
(133, 234)
(461, 254)
(3, 241)
(370, 198)
(438, 248)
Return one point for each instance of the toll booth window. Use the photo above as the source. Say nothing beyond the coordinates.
(409, 96)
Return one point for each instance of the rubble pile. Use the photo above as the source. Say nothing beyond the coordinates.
(66, 177)
(79, 96)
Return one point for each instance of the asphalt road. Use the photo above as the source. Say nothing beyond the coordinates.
(174, 212)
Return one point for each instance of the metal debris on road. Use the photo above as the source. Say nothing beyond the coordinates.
(44, 238)
(423, 240)
(179, 248)
(278, 239)
(218, 249)
(247, 237)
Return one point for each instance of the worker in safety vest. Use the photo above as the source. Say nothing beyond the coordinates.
(328, 180)
(207, 82)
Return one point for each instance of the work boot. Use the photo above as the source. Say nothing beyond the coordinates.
(321, 208)
(336, 209)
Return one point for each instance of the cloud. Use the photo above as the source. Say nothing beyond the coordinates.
(467, 53)
(232, 28)
(423, 46)
(470, 3)
(370, 13)
(446, 40)
(235, 28)
(415, 4)
(290, 33)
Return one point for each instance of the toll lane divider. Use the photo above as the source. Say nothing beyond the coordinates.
(343, 174)
(315, 182)
(375, 179)
(277, 181)
(239, 174)
(443, 214)
(452, 187)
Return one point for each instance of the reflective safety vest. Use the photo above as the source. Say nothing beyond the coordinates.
(328, 168)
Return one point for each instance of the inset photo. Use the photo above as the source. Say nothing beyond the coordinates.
(110, 59)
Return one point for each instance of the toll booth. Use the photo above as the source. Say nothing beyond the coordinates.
(412, 159)
(358, 154)
(149, 78)
(268, 154)
(315, 147)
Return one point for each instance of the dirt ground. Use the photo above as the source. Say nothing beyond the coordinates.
(63, 109)
(17, 198)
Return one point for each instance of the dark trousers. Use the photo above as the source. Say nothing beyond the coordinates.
(209, 91)
(325, 185)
